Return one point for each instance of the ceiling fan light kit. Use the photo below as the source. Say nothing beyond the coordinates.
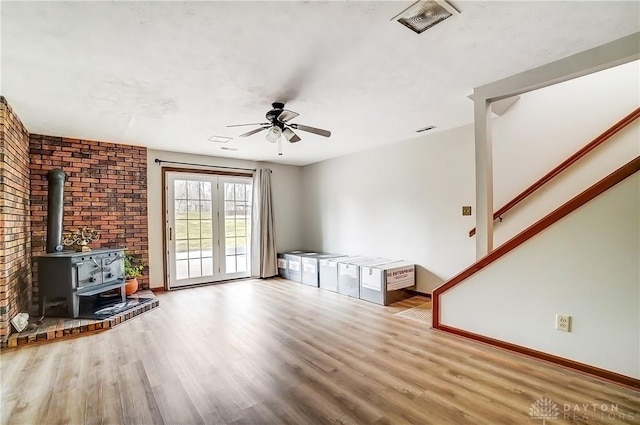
(425, 14)
(278, 125)
(274, 134)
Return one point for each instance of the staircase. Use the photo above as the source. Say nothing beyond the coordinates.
(581, 259)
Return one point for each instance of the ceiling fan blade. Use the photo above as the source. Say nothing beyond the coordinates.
(287, 115)
(318, 131)
(256, 123)
(290, 135)
(252, 132)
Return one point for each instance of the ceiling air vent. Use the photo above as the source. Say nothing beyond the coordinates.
(424, 14)
(219, 139)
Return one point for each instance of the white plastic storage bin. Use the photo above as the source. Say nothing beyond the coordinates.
(349, 275)
(282, 265)
(293, 265)
(387, 283)
(329, 271)
(311, 269)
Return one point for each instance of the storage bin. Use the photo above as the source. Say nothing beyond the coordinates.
(282, 265)
(311, 269)
(387, 283)
(292, 259)
(329, 271)
(349, 275)
(294, 264)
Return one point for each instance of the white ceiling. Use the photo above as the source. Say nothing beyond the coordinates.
(167, 75)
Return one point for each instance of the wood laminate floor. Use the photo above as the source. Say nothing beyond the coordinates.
(277, 352)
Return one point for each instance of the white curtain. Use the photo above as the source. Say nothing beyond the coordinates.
(263, 239)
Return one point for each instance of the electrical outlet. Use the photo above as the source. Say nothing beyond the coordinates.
(563, 322)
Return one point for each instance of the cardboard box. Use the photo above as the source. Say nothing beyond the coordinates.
(349, 275)
(311, 269)
(385, 284)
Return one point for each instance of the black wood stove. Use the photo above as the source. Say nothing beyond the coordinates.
(72, 275)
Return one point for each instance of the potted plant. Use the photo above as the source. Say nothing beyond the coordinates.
(132, 269)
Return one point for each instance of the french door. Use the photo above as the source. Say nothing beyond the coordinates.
(208, 228)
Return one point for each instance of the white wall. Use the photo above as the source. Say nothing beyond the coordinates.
(587, 265)
(286, 191)
(400, 201)
(592, 168)
(404, 200)
(549, 125)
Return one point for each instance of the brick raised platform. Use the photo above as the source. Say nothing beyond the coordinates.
(53, 328)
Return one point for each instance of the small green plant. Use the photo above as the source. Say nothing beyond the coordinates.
(132, 266)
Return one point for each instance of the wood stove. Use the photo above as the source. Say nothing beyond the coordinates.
(72, 275)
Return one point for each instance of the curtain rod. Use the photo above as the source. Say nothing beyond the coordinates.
(160, 161)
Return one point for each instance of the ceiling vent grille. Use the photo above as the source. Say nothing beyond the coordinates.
(219, 139)
(424, 14)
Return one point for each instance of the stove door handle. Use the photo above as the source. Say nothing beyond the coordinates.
(95, 262)
(116, 258)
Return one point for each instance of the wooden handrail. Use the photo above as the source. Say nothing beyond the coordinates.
(566, 164)
(603, 185)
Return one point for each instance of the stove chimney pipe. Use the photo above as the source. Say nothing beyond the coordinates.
(55, 204)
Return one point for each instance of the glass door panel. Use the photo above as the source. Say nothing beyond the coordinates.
(237, 225)
(209, 228)
(190, 228)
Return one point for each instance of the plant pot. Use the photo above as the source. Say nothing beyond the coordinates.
(130, 286)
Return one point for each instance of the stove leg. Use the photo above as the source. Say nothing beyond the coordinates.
(123, 294)
(73, 305)
(43, 304)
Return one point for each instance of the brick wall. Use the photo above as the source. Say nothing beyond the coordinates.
(107, 189)
(15, 255)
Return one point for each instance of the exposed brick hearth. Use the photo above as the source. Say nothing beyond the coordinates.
(55, 329)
